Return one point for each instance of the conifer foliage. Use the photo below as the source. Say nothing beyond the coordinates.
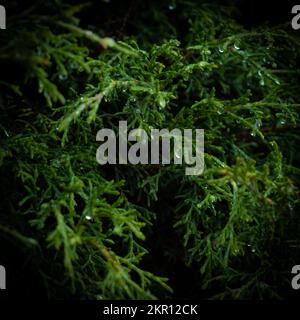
(149, 231)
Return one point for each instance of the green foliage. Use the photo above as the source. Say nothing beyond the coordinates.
(235, 226)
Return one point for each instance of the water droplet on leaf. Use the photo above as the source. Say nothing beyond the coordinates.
(82, 107)
(257, 124)
(236, 46)
(281, 122)
(62, 77)
(221, 49)
(291, 205)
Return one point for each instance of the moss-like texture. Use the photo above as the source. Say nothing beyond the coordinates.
(72, 228)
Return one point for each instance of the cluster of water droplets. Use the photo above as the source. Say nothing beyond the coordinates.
(235, 47)
(252, 248)
(132, 99)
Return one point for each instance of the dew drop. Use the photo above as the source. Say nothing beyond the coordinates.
(62, 77)
(257, 124)
(291, 205)
(6, 133)
(221, 49)
(281, 122)
(82, 107)
(236, 46)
